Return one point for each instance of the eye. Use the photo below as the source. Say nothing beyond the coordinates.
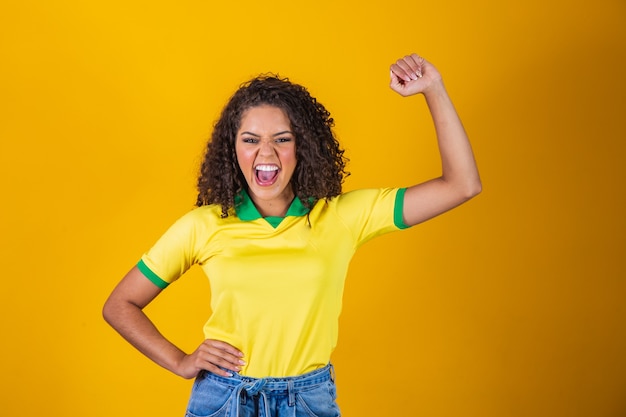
(283, 140)
(249, 140)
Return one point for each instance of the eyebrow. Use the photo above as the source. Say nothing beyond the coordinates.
(275, 134)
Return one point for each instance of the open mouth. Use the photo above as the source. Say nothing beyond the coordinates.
(266, 174)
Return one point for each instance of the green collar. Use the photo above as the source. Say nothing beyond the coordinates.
(247, 211)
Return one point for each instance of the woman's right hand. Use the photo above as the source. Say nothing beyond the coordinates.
(123, 310)
(214, 356)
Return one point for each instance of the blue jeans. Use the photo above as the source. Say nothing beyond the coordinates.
(309, 395)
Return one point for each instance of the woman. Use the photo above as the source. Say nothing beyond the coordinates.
(275, 235)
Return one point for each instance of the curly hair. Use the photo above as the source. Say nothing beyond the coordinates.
(320, 168)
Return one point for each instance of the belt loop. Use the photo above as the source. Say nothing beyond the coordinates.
(292, 394)
(332, 372)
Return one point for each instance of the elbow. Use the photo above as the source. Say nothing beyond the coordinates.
(472, 189)
(110, 311)
(107, 311)
(475, 189)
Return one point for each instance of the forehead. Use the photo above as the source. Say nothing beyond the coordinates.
(264, 117)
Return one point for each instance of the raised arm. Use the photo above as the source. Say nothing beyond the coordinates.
(459, 180)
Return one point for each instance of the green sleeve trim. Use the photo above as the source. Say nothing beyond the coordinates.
(154, 278)
(398, 207)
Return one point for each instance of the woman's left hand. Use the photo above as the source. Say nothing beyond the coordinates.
(413, 75)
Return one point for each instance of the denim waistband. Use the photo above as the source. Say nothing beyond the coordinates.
(262, 388)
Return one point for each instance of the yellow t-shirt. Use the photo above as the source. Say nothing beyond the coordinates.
(276, 283)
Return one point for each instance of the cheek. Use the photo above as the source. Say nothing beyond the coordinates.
(243, 159)
(290, 157)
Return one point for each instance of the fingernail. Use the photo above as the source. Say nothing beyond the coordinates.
(414, 76)
(242, 362)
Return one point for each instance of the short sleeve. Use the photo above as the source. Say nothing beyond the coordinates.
(372, 212)
(173, 254)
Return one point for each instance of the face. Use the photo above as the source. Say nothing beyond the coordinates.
(266, 153)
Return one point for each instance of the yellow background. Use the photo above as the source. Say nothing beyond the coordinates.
(512, 305)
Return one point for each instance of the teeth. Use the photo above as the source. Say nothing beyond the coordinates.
(267, 168)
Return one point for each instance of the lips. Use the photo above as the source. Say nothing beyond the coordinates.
(266, 174)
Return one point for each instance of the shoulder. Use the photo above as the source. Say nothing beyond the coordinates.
(200, 218)
(383, 204)
(204, 213)
(369, 196)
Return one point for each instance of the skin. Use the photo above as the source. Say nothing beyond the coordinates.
(265, 138)
(459, 180)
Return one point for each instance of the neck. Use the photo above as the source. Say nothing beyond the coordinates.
(273, 208)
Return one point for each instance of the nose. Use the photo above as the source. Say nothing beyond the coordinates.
(267, 148)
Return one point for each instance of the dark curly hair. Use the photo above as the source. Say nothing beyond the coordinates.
(320, 168)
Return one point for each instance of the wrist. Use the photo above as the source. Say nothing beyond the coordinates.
(176, 364)
(435, 89)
